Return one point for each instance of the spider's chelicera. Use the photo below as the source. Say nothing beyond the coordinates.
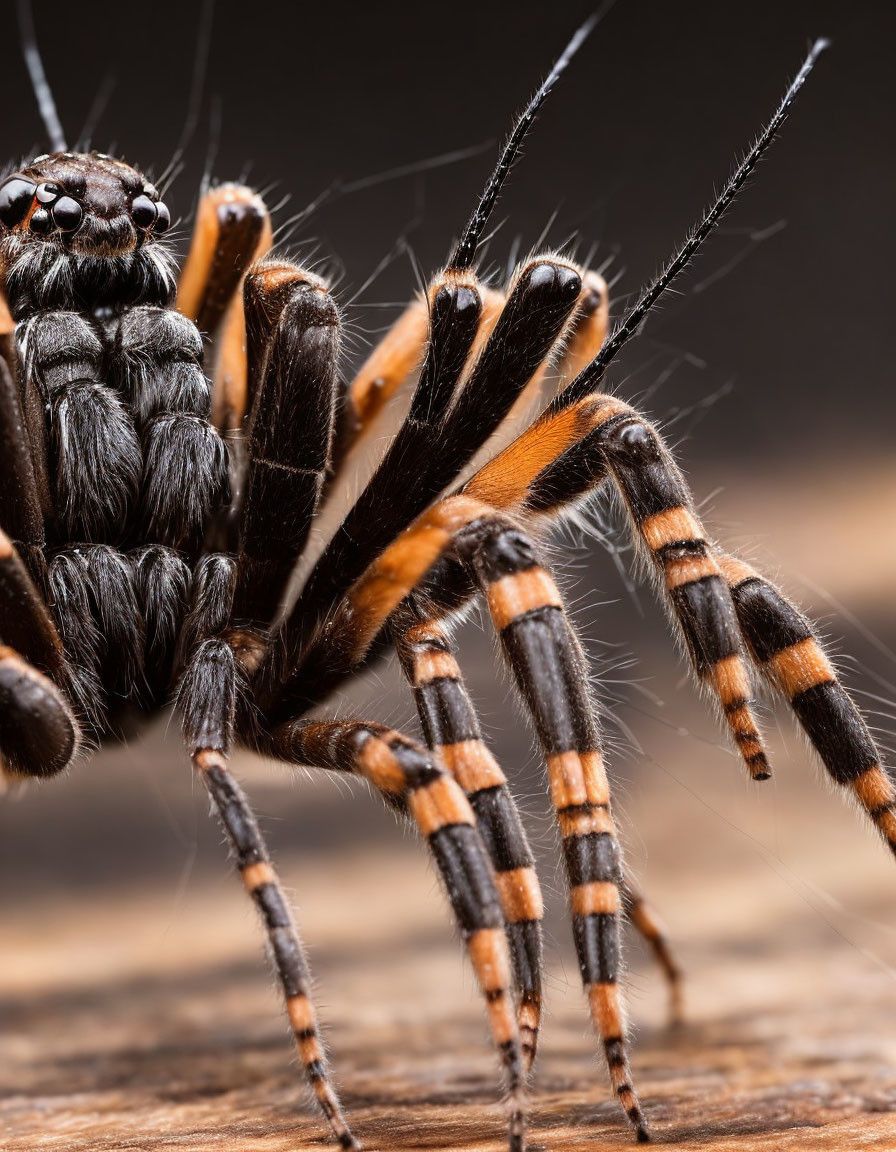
(128, 575)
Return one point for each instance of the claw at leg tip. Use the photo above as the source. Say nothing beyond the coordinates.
(516, 1136)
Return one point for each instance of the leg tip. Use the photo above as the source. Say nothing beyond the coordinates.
(350, 1143)
(516, 1133)
(643, 1134)
(759, 767)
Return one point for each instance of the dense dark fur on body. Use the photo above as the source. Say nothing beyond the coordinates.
(129, 579)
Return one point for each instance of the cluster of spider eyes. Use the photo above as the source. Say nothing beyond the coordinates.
(56, 209)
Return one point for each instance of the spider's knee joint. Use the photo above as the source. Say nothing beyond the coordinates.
(630, 440)
(495, 549)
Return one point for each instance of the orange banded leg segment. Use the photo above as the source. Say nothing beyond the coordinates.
(648, 925)
(452, 732)
(589, 327)
(662, 510)
(545, 657)
(232, 231)
(406, 775)
(389, 365)
(792, 660)
(263, 886)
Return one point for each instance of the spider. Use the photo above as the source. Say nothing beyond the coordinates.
(155, 518)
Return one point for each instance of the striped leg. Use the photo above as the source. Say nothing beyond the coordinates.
(662, 510)
(646, 922)
(547, 662)
(567, 453)
(791, 659)
(452, 732)
(288, 954)
(406, 775)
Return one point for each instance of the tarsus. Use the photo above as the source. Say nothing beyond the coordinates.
(588, 379)
(465, 252)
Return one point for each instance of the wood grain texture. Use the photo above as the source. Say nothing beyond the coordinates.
(146, 1019)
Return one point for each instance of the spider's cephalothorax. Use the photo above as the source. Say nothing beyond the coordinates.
(126, 580)
(77, 230)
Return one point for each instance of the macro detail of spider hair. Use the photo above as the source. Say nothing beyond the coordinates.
(153, 516)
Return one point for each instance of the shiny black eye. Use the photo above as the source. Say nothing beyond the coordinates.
(47, 192)
(67, 214)
(143, 212)
(163, 217)
(40, 222)
(15, 200)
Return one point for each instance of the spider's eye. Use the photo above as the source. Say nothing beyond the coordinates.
(40, 222)
(143, 212)
(163, 220)
(67, 214)
(16, 196)
(46, 193)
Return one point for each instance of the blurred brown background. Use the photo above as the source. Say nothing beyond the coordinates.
(135, 1008)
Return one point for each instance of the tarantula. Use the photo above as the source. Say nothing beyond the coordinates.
(148, 556)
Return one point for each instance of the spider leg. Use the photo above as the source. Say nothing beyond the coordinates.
(583, 339)
(25, 619)
(544, 295)
(39, 735)
(20, 508)
(646, 922)
(792, 661)
(293, 331)
(208, 698)
(545, 657)
(389, 365)
(408, 777)
(232, 231)
(287, 951)
(157, 368)
(80, 426)
(452, 733)
(623, 447)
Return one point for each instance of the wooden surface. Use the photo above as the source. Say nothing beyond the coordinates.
(144, 1018)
